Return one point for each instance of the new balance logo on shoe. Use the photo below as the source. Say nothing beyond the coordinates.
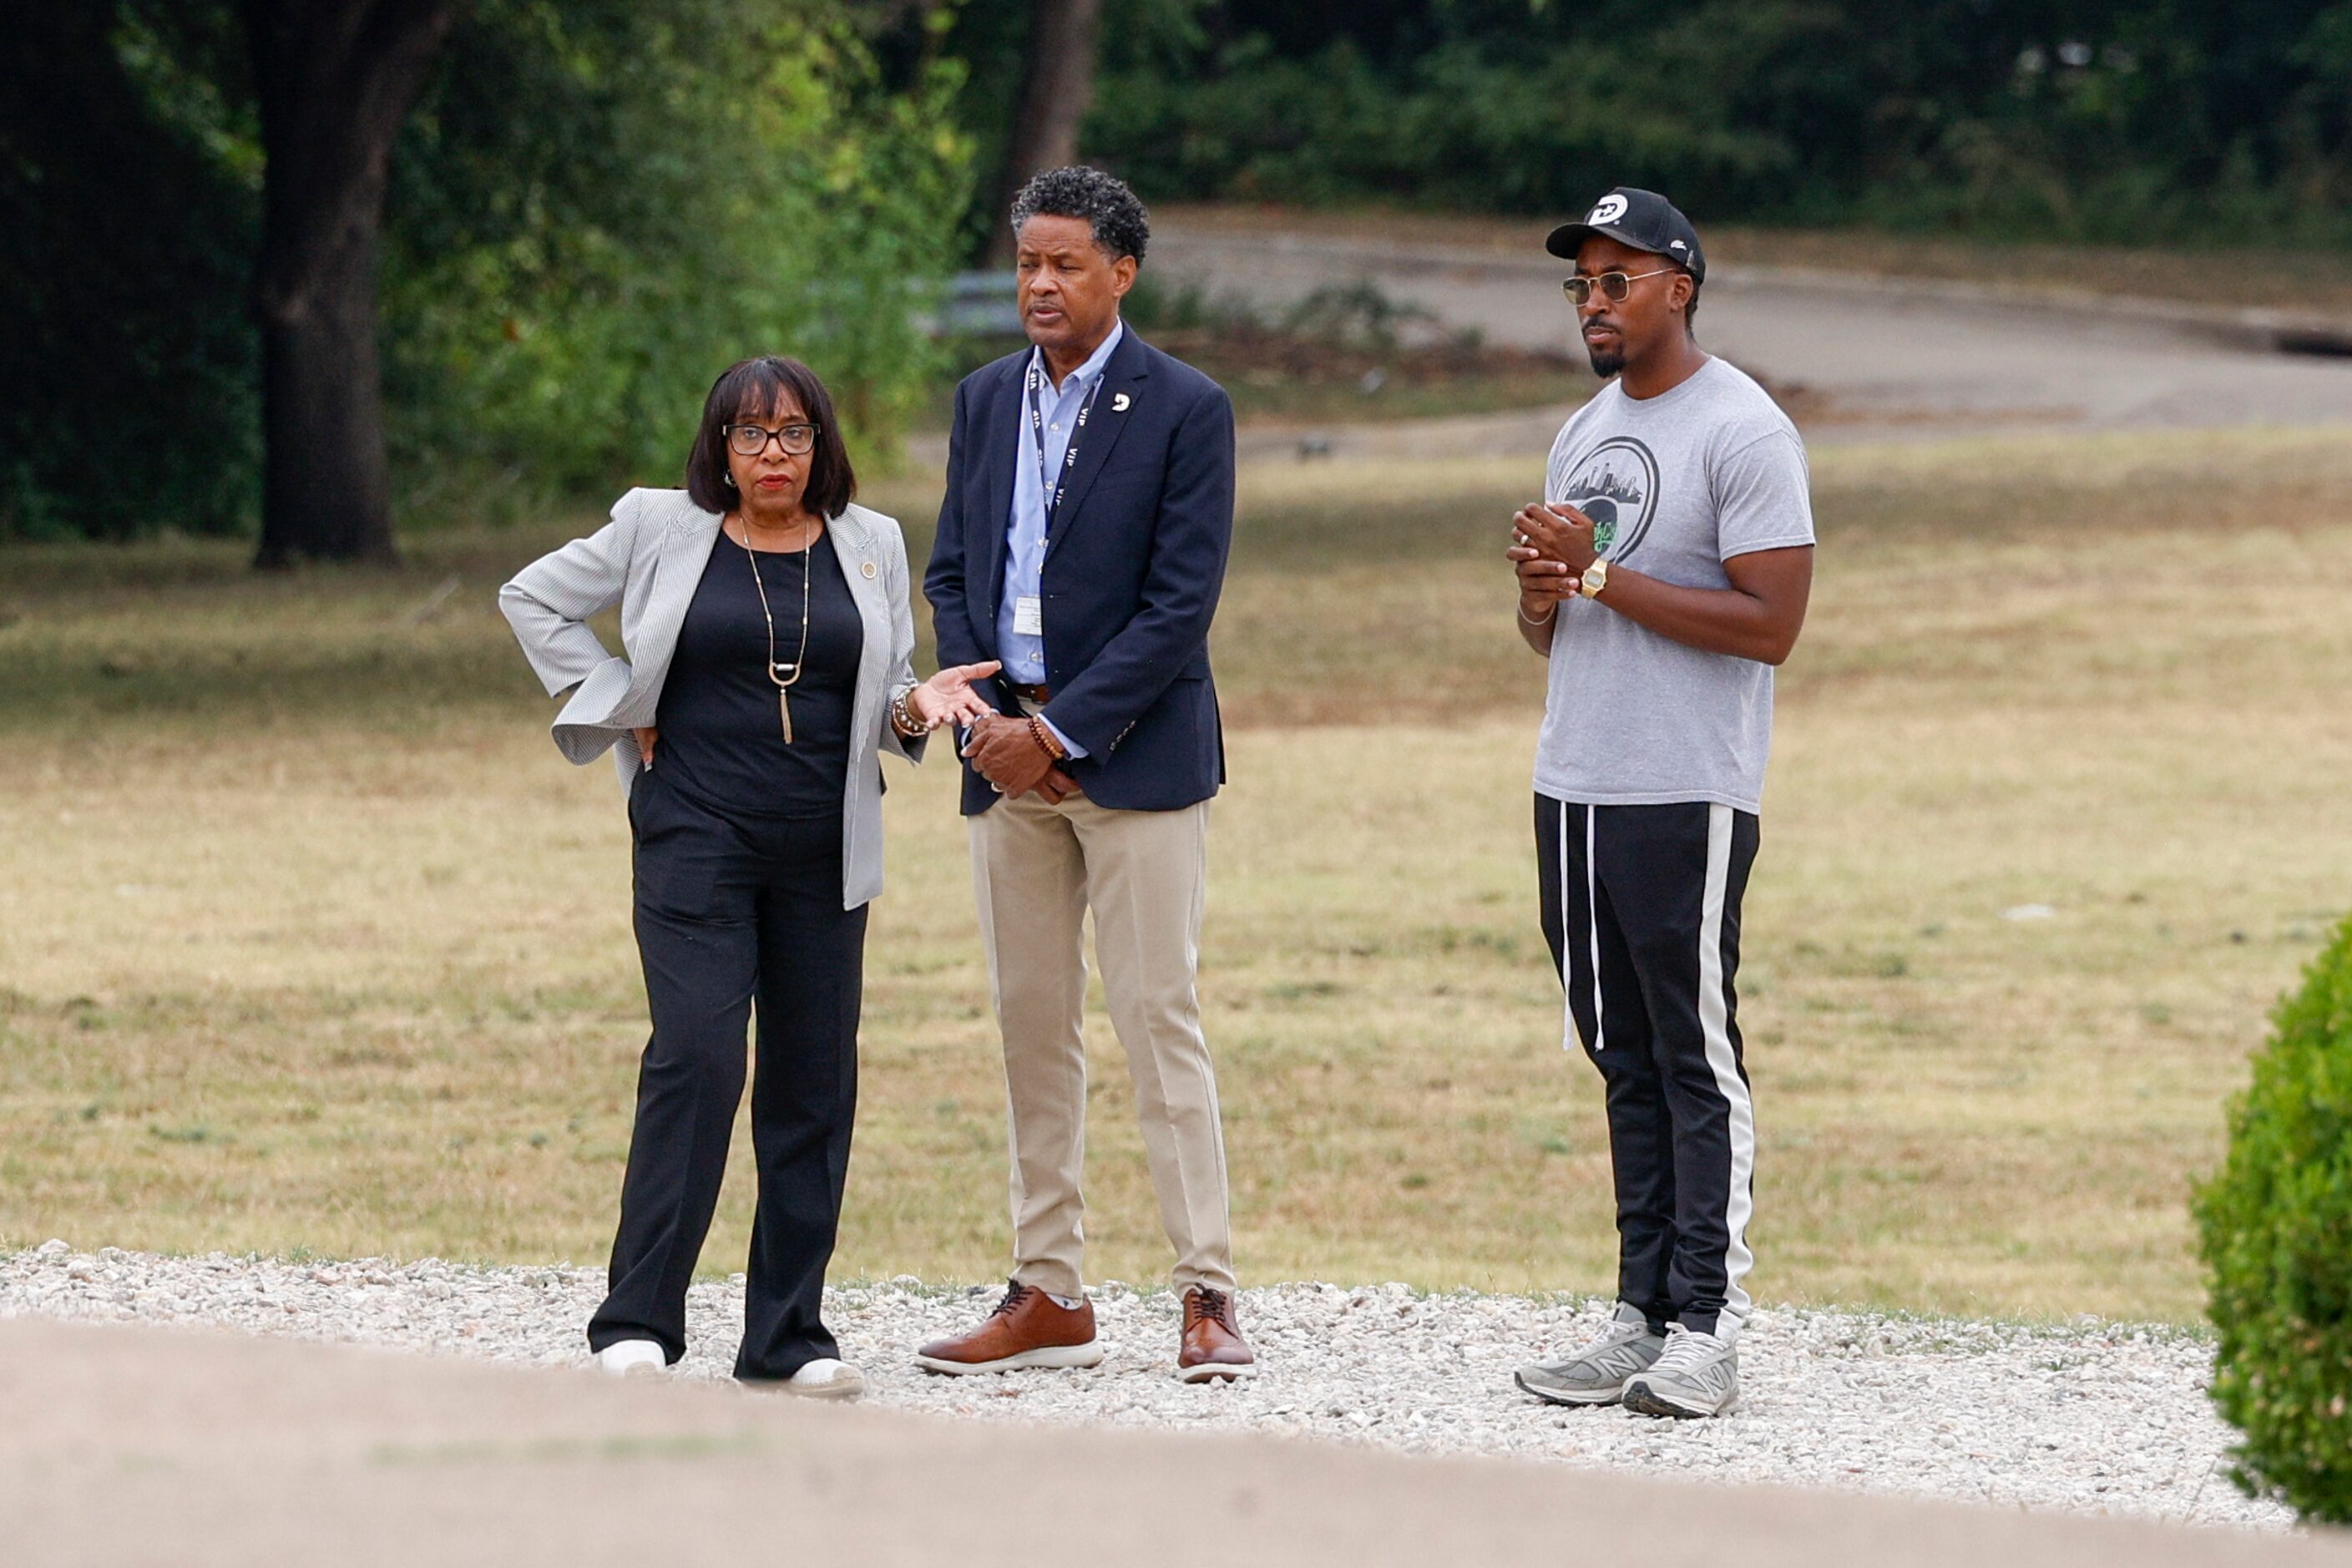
(1695, 1375)
(1597, 1374)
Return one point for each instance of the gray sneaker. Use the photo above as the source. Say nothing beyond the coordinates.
(1698, 1374)
(1597, 1374)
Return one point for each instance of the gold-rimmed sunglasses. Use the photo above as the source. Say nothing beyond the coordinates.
(1614, 286)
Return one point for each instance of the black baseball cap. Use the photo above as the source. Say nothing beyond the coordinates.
(1643, 219)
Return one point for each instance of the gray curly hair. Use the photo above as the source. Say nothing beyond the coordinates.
(1121, 225)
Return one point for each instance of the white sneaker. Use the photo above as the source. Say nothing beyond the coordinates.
(1597, 1372)
(1696, 1374)
(825, 1378)
(625, 1356)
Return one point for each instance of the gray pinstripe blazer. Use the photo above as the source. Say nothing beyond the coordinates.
(648, 560)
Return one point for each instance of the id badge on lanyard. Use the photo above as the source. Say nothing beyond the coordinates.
(1048, 485)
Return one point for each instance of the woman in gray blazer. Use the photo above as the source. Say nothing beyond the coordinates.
(768, 643)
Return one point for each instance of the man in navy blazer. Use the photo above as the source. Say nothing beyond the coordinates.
(1082, 543)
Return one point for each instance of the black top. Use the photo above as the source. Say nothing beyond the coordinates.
(722, 735)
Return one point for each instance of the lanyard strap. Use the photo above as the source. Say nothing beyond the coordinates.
(1048, 487)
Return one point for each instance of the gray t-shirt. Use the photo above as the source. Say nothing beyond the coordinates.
(1676, 485)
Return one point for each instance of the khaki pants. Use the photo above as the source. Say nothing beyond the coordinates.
(1038, 868)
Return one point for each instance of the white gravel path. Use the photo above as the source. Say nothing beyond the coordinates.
(2092, 1417)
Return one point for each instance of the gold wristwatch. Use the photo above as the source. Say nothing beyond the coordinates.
(1595, 578)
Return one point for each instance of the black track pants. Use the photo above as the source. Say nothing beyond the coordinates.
(731, 910)
(1640, 906)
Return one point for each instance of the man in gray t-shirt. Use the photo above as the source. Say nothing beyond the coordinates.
(1677, 484)
(1664, 575)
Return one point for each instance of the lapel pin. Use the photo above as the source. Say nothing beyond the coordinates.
(1119, 402)
(867, 568)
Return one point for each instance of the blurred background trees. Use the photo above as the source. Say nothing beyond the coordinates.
(603, 203)
(130, 370)
(591, 205)
(2126, 120)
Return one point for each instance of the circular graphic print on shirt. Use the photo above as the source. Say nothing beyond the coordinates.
(1616, 485)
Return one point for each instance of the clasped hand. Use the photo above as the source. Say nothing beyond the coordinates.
(1551, 546)
(1007, 753)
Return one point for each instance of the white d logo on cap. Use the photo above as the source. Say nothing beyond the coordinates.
(1609, 209)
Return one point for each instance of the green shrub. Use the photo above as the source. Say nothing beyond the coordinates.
(599, 204)
(2277, 1225)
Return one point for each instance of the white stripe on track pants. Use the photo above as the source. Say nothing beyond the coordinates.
(1640, 906)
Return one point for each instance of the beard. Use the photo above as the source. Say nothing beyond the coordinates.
(1608, 361)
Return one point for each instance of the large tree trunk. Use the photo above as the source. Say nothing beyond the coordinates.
(1058, 86)
(334, 78)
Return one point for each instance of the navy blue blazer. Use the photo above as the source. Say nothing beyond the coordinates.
(1134, 561)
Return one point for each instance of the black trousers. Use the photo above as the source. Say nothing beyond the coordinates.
(731, 910)
(1640, 906)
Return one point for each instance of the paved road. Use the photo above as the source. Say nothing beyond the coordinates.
(1889, 357)
(133, 1446)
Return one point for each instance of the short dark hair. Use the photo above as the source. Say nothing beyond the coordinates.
(753, 388)
(1115, 213)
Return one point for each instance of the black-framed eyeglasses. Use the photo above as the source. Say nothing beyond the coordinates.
(1614, 286)
(750, 440)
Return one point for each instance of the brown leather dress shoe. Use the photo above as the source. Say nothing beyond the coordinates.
(1212, 1347)
(1027, 1329)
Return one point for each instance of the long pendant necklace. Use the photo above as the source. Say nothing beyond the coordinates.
(785, 676)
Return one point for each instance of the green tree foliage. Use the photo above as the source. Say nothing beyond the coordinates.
(603, 204)
(598, 205)
(2131, 120)
(992, 41)
(2276, 1222)
(125, 228)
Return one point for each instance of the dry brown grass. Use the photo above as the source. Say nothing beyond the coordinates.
(308, 939)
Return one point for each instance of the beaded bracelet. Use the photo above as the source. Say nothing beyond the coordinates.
(902, 716)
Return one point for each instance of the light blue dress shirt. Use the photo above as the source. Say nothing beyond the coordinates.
(1023, 653)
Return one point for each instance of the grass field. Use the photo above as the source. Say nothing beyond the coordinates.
(309, 939)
